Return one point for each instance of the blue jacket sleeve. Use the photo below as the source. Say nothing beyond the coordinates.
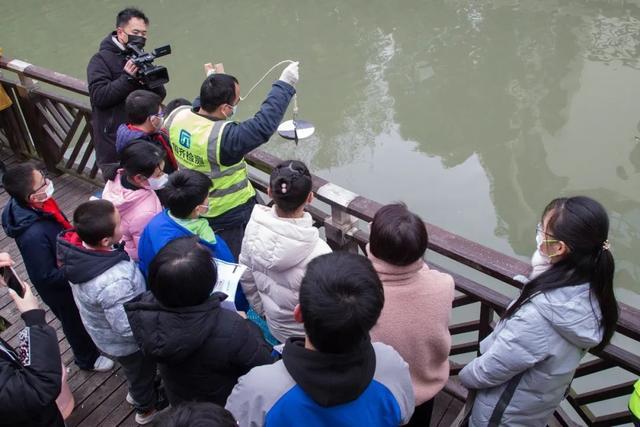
(238, 139)
(222, 251)
(145, 252)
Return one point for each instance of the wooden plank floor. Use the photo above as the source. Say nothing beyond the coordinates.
(100, 397)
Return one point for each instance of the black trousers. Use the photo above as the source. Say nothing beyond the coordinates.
(140, 371)
(422, 415)
(61, 303)
(230, 225)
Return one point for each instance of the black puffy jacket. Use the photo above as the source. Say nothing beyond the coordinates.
(31, 376)
(201, 350)
(109, 87)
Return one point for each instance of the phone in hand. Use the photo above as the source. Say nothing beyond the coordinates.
(12, 280)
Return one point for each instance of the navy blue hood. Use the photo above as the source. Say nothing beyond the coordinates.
(125, 135)
(80, 264)
(16, 219)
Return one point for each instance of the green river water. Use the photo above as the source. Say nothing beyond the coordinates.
(475, 113)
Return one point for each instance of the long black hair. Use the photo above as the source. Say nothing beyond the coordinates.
(583, 225)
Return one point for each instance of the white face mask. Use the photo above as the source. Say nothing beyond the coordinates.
(539, 240)
(47, 191)
(203, 210)
(156, 122)
(539, 261)
(158, 183)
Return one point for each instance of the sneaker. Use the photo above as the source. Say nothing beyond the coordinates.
(103, 364)
(130, 400)
(146, 417)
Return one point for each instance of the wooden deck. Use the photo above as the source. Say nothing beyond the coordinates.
(100, 397)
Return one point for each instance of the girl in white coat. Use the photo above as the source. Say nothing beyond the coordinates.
(278, 243)
(568, 307)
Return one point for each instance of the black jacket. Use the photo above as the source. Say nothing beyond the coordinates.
(201, 351)
(109, 87)
(35, 233)
(30, 378)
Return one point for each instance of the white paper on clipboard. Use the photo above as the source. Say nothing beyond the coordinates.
(229, 275)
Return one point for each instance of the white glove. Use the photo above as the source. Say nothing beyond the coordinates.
(290, 74)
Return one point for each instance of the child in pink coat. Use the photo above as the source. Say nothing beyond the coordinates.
(417, 306)
(133, 193)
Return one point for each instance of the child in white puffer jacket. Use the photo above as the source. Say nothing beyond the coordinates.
(278, 243)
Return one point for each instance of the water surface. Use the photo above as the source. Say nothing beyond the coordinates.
(475, 113)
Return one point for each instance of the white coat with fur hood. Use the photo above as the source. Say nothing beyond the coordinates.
(528, 362)
(277, 251)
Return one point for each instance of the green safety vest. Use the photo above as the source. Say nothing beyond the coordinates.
(195, 141)
(634, 401)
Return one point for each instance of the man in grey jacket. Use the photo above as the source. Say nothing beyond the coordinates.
(102, 279)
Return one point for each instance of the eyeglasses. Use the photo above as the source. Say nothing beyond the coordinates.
(159, 114)
(46, 182)
(540, 230)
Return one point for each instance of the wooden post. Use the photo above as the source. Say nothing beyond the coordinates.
(484, 329)
(338, 229)
(46, 148)
(9, 122)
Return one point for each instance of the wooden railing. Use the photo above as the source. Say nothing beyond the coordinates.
(52, 124)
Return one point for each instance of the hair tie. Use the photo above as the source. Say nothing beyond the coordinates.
(295, 171)
(606, 246)
(283, 187)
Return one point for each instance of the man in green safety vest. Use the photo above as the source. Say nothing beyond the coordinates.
(634, 404)
(204, 138)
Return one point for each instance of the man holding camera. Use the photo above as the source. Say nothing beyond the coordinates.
(112, 76)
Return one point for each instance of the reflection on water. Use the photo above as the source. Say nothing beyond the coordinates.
(476, 113)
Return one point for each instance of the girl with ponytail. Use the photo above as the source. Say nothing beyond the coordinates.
(278, 243)
(567, 307)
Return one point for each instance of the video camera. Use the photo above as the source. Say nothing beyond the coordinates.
(150, 75)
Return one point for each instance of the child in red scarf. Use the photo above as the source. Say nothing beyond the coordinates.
(33, 218)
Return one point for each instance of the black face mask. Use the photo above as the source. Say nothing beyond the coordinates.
(138, 41)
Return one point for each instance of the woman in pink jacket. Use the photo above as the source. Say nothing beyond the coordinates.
(133, 193)
(417, 306)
